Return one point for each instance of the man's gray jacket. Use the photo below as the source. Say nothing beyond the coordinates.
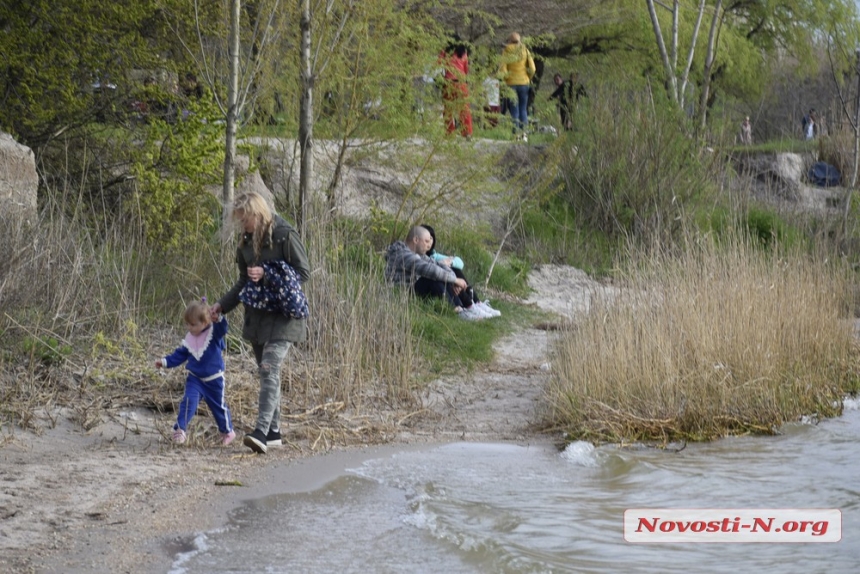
(403, 266)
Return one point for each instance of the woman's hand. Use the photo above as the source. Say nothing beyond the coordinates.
(447, 261)
(255, 273)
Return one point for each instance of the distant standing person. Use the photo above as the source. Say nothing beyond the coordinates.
(808, 125)
(266, 237)
(516, 70)
(456, 91)
(746, 131)
(493, 107)
(562, 95)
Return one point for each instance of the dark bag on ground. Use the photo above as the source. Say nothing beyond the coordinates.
(824, 175)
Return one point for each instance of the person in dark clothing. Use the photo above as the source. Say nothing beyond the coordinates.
(567, 93)
(562, 95)
(407, 264)
(468, 296)
(266, 237)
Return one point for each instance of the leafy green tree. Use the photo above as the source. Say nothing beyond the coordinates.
(67, 62)
(719, 46)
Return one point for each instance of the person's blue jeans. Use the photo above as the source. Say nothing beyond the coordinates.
(519, 109)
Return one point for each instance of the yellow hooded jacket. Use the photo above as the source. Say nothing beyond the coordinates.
(517, 66)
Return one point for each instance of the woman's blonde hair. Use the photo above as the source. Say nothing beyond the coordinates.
(514, 38)
(251, 204)
(197, 312)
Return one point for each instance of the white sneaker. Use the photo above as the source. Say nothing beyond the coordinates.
(486, 313)
(525, 138)
(485, 307)
(472, 314)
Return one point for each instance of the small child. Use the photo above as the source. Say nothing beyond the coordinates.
(202, 350)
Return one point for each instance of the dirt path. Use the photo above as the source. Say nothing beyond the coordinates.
(108, 499)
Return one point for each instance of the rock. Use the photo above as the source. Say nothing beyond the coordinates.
(19, 182)
(247, 181)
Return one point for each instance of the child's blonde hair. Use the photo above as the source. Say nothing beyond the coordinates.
(251, 204)
(197, 312)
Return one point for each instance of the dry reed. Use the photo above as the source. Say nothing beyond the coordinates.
(722, 339)
(83, 316)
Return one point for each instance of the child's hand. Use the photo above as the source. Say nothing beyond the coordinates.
(159, 363)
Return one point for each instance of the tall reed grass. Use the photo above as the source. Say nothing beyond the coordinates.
(82, 315)
(719, 339)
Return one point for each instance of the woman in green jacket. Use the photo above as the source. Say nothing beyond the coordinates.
(266, 237)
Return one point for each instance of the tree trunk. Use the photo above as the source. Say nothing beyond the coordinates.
(232, 98)
(850, 188)
(671, 78)
(306, 118)
(682, 89)
(709, 64)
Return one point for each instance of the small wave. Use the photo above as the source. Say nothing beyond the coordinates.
(195, 547)
(580, 453)
(851, 403)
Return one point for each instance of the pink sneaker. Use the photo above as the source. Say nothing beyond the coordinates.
(179, 436)
(227, 437)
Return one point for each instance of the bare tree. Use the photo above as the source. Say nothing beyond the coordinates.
(306, 114)
(232, 98)
(677, 87)
(709, 64)
(243, 71)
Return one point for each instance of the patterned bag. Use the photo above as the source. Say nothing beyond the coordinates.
(282, 291)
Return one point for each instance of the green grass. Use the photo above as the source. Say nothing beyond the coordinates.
(550, 234)
(785, 145)
(451, 344)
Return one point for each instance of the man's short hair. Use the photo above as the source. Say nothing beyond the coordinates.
(416, 231)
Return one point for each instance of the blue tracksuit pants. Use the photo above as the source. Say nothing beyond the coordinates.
(213, 393)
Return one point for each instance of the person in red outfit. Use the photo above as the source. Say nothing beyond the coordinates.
(456, 91)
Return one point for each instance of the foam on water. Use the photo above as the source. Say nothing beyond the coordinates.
(580, 453)
(197, 545)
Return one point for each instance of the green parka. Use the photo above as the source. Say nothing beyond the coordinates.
(263, 326)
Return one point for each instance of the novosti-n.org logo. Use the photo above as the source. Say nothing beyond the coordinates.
(670, 525)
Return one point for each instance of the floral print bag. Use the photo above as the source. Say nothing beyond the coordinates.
(279, 291)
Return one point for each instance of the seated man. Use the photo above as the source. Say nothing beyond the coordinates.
(407, 263)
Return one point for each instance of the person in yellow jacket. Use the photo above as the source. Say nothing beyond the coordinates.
(516, 70)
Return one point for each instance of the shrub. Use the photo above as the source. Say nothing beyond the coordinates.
(632, 170)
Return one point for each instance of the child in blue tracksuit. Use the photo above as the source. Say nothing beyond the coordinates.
(202, 351)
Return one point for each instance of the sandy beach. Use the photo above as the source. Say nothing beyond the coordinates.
(121, 497)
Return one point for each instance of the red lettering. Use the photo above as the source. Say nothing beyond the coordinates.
(667, 527)
(760, 523)
(714, 526)
(643, 522)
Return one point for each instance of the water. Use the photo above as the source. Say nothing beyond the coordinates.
(469, 507)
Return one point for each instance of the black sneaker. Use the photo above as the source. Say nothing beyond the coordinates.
(256, 441)
(274, 438)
